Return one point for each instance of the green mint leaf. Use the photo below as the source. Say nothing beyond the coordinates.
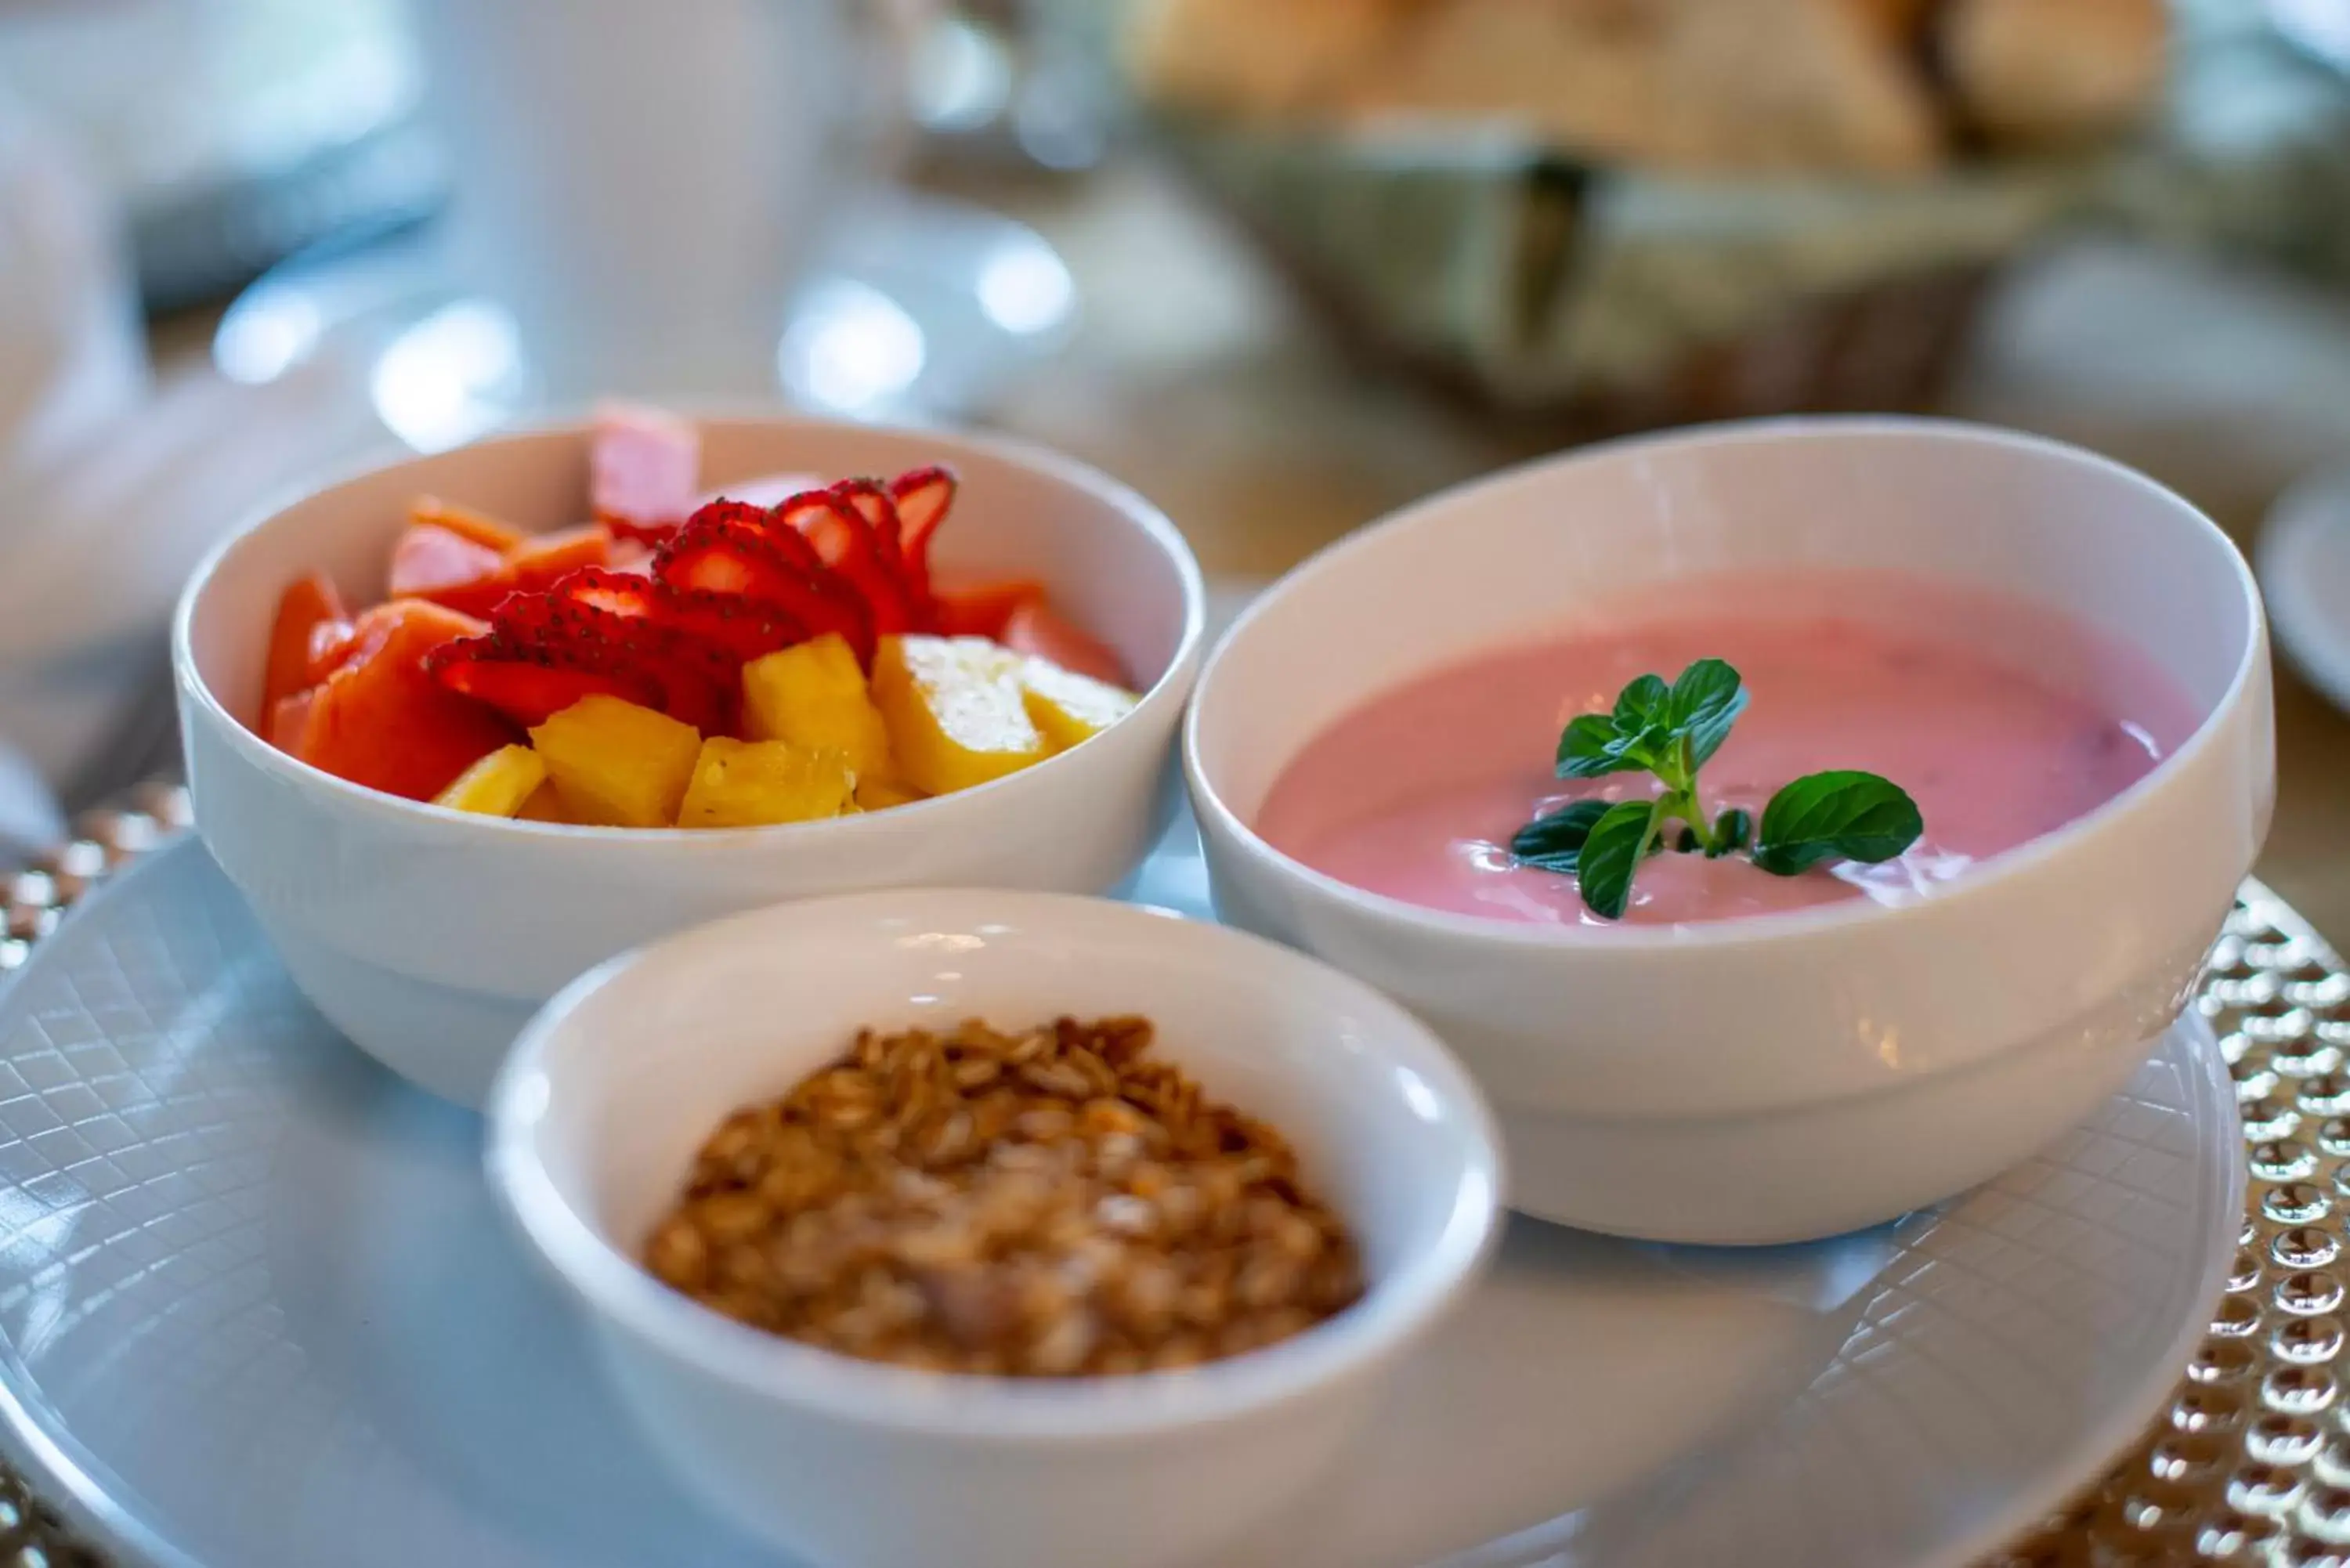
(1618, 843)
(1731, 829)
(1591, 746)
(1555, 842)
(1641, 704)
(1839, 815)
(1704, 703)
(1688, 842)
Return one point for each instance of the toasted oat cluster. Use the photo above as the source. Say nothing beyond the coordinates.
(1050, 1203)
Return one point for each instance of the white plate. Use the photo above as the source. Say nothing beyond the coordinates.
(917, 308)
(2303, 561)
(255, 1313)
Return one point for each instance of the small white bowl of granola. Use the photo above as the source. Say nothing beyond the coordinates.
(895, 1288)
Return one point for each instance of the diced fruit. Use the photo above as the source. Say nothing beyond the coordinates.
(869, 499)
(383, 722)
(746, 628)
(544, 805)
(615, 764)
(289, 721)
(622, 593)
(982, 610)
(498, 785)
(880, 794)
(923, 496)
(1066, 707)
(550, 639)
(643, 471)
(331, 642)
(716, 554)
(756, 783)
(487, 671)
(305, 608)
(546, 559)
(431, 563)
(1036, 629)
(814, 696)
(954, 712)
(849, 543)
(463, 522)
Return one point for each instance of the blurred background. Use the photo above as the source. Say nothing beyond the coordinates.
(1283, 264)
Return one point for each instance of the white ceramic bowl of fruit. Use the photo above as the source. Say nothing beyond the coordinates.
(782, 680)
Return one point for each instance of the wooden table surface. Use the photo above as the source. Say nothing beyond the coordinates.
(1197, 378)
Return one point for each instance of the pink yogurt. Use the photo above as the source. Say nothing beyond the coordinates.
(2002, 720)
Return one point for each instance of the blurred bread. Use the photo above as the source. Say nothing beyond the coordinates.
(1712, 85)
(1832, 87)
(1901, 23)
(2044, 73)
(1260, 58)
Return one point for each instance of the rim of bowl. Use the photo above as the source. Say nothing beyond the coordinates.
(1394, 1310)
(1173, 685)
(1746, 930)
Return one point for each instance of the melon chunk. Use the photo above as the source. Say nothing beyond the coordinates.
(615, 764)
(758, 784)
(954, 712)
(814, 696)
(498, 785)
(379, 720)
(1066, 707)
(880, 794)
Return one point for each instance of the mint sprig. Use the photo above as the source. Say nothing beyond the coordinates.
(1670, 732)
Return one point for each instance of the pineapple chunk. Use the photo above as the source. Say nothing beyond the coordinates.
(814, 695)
(498, 785)
(544, 805)
(752, 783)
(615, 764)
(954, 712)
(1067, 707)
(880, 794)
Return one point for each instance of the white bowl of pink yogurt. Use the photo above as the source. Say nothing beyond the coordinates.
(2062, 667)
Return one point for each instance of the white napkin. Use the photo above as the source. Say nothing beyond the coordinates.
(93, 553)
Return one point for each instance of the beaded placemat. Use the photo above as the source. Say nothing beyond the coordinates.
(2250, 1462)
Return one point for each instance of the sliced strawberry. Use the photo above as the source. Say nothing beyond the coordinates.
(431, 563)
(831, 523)
(700, 682)
(643, 471)
(712, 554)
(693, 678)
(747, 629)
(982, 610)
(871, 501)
(622, 593)
(923, 496)
(529, 691)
